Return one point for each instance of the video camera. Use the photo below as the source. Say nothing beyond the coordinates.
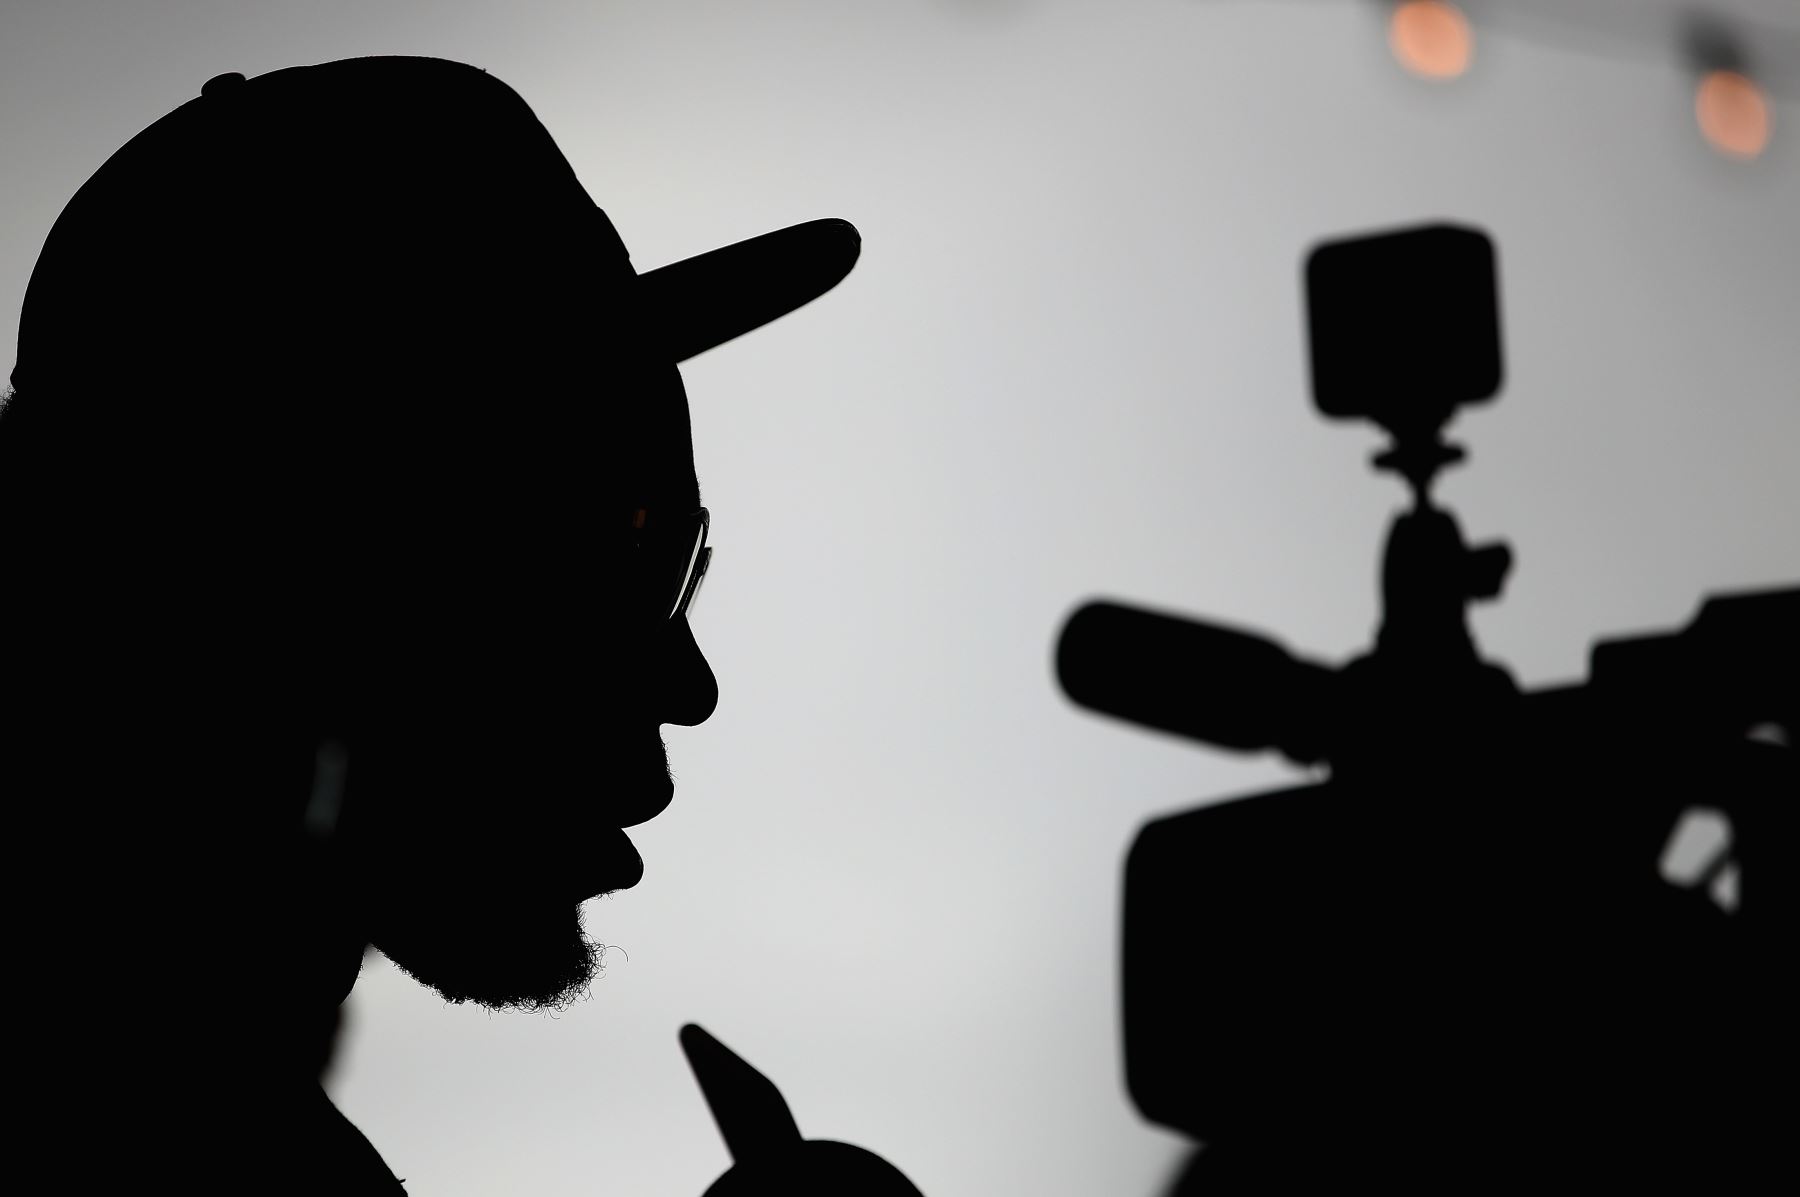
(1456, 957)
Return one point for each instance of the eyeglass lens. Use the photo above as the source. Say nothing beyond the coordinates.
(694, 572)
(699, 576)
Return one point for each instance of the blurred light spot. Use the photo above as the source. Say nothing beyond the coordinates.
(1699, 839)
(1725, 889)
(1431, 38)
(1733, 114)
(1769, 733)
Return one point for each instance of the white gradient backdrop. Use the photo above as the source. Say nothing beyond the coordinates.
(1070, 362)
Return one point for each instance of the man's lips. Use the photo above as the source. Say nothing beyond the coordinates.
(617, 864)
(614, 860)
(654, 796)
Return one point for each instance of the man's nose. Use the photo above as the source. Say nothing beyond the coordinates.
(689, 692)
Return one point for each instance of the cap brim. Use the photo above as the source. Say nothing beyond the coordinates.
(707, 300)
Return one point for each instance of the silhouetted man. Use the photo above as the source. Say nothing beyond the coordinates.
(351, 522)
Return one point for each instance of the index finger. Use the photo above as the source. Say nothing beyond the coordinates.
(752, 1115)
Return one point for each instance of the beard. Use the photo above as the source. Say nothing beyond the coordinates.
(525, 957)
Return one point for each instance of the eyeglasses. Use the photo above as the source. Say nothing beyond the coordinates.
(675, 555)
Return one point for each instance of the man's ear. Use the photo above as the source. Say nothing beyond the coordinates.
(325, 798)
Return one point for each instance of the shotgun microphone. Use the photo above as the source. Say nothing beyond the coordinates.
(1214, 684)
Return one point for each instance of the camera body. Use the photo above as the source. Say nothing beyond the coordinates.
(1452, 948)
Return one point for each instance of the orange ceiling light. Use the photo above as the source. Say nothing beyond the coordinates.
(1734, 114)
(1431, 38)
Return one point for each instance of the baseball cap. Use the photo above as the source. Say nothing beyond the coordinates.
(333, 203)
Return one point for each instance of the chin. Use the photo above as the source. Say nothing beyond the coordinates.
(519, 958)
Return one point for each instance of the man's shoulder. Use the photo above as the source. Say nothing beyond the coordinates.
(290, 1142)
(334, 1155)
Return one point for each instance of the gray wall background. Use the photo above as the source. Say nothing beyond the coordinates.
(1070, 363)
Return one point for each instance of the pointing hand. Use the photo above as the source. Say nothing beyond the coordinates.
(768, 1154)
